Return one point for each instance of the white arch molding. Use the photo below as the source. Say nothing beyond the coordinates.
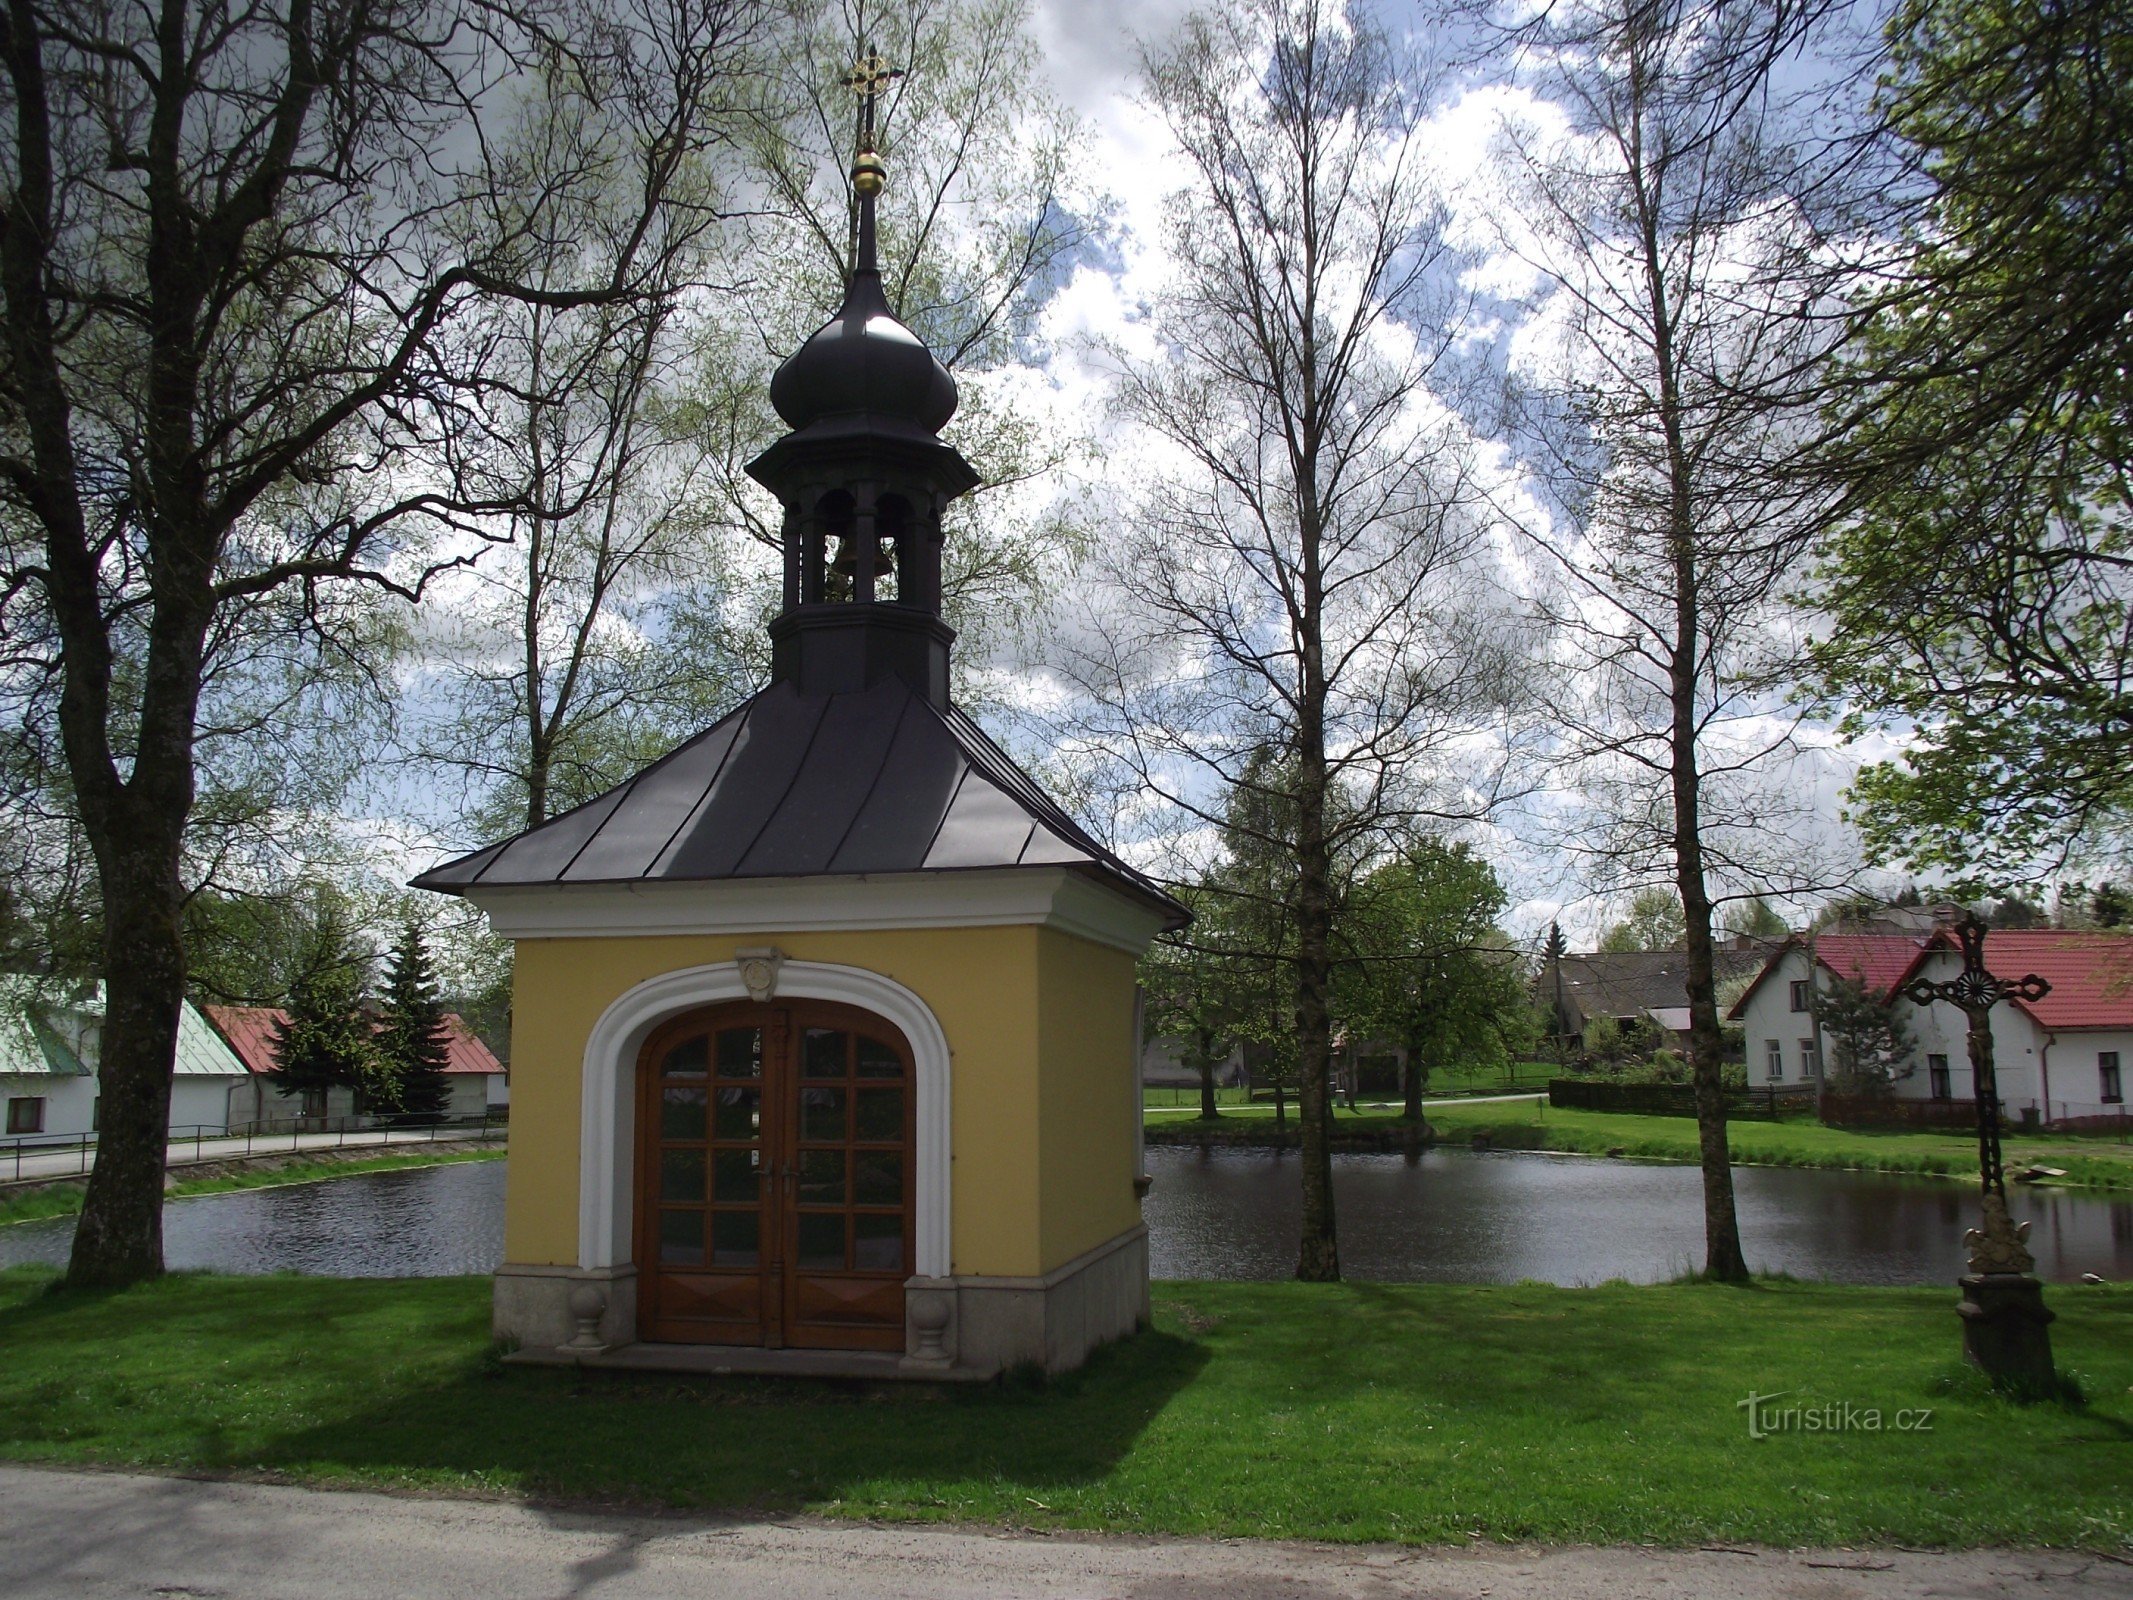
(607, 1144)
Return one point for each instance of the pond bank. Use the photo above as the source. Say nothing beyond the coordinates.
(35, 1201)
(1238, 1133)
(2090, 1164)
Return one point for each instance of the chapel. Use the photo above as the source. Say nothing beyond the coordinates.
(824, 1035)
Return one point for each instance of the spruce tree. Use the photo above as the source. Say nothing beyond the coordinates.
(324, 1040)
(1870, 1044)
(413, 1040)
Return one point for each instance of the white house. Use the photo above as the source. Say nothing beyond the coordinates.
(2059, 1059)
(46, 1086)
(49, 1051)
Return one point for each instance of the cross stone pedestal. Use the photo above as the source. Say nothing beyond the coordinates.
(2007, 1330)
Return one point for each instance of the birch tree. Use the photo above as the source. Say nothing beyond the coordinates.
(1671, 368)
(1292, 635)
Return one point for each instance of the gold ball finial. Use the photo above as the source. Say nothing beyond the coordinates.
(869, 175)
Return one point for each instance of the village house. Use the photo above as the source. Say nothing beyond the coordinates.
(475, 1077)
(1648, 987)
(2059, 1060)
(49, 1048)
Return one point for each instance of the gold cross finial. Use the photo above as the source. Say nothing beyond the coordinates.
(870, 76)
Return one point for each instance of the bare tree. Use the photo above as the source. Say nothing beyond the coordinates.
(245, 260)
(1293, 636)
(579, 650)
(620, 619)
(1672, 369)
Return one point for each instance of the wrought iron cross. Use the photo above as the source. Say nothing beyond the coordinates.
(1974, 992)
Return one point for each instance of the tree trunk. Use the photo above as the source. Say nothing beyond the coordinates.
(537, 785)
(119, 1238)
(1723, 1259)
(1411, 1083)
(1319, 1258)
(1208, 1110)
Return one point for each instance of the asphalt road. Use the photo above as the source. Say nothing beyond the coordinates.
(84, 1536)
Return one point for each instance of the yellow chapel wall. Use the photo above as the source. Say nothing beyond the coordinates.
(1090, 1112)
(981, 983)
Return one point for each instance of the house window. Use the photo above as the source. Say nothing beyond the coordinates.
(2107, 1073)
(1800, 987)
(1807, 1060)
(1773, 1059)
(1937, 1080)
(25, 1113)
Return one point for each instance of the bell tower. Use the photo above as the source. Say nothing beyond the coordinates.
(863, 477)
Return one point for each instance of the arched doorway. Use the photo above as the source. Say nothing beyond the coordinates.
(775, 1174)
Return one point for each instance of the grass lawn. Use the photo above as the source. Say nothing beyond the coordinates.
(64, 1199)
(1794, 1142)
(1425, 1413)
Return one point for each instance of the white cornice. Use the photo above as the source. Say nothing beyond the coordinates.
(1049, 897)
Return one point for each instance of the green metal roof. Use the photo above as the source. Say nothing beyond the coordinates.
(31, 1045)
(44, 1035)
(201, 1050)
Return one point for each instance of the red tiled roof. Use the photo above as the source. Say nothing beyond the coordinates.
(250, 1032)
(1874, 961)
(2091, 974)
(464, 1050)
(1877, 961)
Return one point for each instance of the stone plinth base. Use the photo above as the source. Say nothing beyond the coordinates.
(1054, 1321)
(956, 1329)
(746, 1361)
(2007, 1330)
(540, 1308)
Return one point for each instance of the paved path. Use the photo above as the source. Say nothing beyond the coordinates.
(84, 1536)
(72, 1161)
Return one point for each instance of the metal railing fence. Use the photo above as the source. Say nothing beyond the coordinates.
(271, 1136)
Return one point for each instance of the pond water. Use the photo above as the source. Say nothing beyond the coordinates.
(1459, 1216)
(1436, 1215)
(426, 1222)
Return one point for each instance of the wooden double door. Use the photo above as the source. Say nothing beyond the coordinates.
(774, 1178)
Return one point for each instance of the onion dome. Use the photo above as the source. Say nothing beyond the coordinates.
(863, 363)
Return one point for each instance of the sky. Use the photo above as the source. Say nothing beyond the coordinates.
(1090, 52)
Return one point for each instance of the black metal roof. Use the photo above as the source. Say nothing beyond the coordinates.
(807, 784)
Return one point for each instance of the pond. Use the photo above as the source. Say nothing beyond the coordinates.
(1437, 1215)
(426, 1222)
(1459, 1216)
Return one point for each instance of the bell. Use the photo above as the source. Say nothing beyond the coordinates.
(844, 566)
